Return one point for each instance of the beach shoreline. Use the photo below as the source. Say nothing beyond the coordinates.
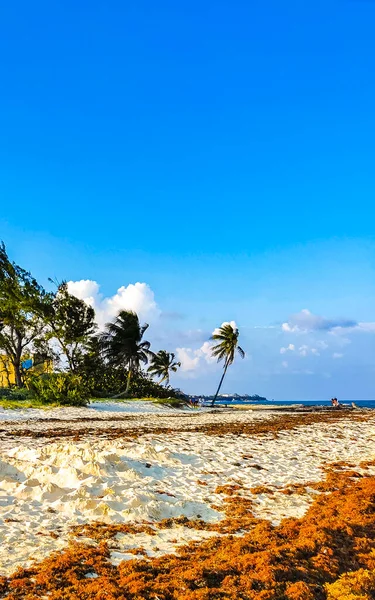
(67, 470)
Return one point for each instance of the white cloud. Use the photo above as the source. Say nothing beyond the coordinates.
(191, 360)
(304, 350)
(368, 327)
(86, 290)
(291, 348)
(284, 364)
(337, 355)
(135, 296)
(305, 321)
(365, 327)
(205, 352)
(188, 358)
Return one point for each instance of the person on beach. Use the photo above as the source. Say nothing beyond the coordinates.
(194, 402)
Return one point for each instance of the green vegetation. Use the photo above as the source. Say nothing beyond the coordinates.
(71, 324)
(32, 402)
(22, 404)
(56, 330)
(23, 306)
(52, 354)
(122, 344)
(172, 402)
(60, 388)
(162, 364)
(104, 380)
(15, 394)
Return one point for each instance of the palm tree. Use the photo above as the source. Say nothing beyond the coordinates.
(162, 364)
(122, 343)
(227, 335)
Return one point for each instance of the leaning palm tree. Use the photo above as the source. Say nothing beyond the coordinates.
(227, 337)
(122, 343)
(162, 364)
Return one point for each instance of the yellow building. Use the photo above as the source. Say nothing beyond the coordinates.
(7, 377)
(31, 364)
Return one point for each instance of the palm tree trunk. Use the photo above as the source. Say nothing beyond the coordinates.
(220, 384)
(126, 392)
(128, 381)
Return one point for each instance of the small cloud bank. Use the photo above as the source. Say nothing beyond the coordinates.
(321, 352)
(304, 350)
(290, 348)
(192, 359)
(306, 321)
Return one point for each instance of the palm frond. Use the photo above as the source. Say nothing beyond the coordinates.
(241, 352)
(122, 341)
(162, 363)
(227, 338)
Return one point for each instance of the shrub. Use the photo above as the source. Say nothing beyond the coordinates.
(107, 381)
(142, 386)
(104, 380)
(15, 394)
(60, 388)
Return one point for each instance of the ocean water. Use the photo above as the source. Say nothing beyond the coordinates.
(359, 403)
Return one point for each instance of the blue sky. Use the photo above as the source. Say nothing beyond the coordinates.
(221, 154)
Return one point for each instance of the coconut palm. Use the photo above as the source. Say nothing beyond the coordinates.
(227, 337)
(162, 364)
(122, 343)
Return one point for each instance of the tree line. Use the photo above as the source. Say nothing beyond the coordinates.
(57, 328)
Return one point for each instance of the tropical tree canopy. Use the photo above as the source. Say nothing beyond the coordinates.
(227, 337)
(72, 323)
(23, 305)
(48, 333)
(123, 344)
(162, 364)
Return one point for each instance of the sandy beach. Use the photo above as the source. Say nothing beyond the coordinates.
(68, 468)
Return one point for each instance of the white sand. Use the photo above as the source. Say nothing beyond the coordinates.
(94, 410)
(48, 487)
(165, 541)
